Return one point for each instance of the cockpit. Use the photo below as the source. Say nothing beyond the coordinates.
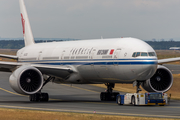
(144, 54)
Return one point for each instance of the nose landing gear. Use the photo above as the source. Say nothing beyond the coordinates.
(109, 95)
(137, 84)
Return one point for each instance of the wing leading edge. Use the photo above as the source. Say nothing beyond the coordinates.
(8, 66)
(60, 71)
(168, 60)
(9, 56)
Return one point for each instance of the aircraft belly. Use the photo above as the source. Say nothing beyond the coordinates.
(117, 73)
(87, 72)
(109, 73)
(102, 71)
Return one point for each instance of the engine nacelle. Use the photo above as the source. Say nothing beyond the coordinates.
(26, 80)
(161, 81)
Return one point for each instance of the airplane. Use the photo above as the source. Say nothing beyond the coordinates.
(98, 61)
(174, 48)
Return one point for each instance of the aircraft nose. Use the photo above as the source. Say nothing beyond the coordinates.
(148, 70)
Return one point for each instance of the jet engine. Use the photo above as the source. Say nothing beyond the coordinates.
(161, 81)
(26, 80)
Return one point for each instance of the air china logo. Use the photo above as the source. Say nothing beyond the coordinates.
(23, 23)
(111, 52)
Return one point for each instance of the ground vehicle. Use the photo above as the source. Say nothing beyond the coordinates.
(142, 99)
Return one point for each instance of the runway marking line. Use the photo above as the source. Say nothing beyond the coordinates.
(80, 88)
(169, 107)
(102, 103)
(79, 111)
(20, 94)
(12, 92)
(61, 99)
(128, 105)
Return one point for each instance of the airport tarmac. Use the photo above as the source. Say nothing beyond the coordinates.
(80, 99)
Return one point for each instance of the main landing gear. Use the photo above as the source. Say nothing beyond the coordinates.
(41, 96)
(109, 95)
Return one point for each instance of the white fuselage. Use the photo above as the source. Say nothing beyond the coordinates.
(96, 61)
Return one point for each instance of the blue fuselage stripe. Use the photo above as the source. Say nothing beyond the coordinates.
(96, 62)
(101, 63)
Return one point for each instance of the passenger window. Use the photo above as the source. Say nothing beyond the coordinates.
(76, 51)
(82, 51)
(144, 54)
(73, 51)
(79, 50)
(85, 51)
(138, 54)
(134, 54)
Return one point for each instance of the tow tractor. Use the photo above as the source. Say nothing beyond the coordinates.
(137, 98)
(142, 99)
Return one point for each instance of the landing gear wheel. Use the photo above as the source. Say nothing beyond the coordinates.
(105, 96)
(39, 97)
(133, 101)
(114, 95)
(119, 100)
(44, 97)
(34, 97)
(102, 96)
(109, 95)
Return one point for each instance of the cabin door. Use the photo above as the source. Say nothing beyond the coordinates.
(117, 56)
(118, 64)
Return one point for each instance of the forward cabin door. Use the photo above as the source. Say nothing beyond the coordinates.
(118, 64)
(40, 55)
(117, 56)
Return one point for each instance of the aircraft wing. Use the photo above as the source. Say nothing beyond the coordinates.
(8, 66)
(60, 71)
(168, 60)
(9, 56)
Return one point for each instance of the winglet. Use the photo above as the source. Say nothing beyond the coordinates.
(28, 36)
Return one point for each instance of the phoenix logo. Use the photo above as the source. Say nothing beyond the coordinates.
(23, 23)
(111, 52)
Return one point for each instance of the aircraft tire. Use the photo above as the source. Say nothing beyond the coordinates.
(102, 96)
(133, 100)
(44, 97)
(39, 97)
(119, 100)
(114, 95)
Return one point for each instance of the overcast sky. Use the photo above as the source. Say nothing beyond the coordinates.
(86, 19)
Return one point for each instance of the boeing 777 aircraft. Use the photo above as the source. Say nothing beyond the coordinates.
(105, 61)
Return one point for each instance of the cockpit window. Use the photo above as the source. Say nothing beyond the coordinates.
(134, 54)
(144, 54)
(138, 54)
(151, 54)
